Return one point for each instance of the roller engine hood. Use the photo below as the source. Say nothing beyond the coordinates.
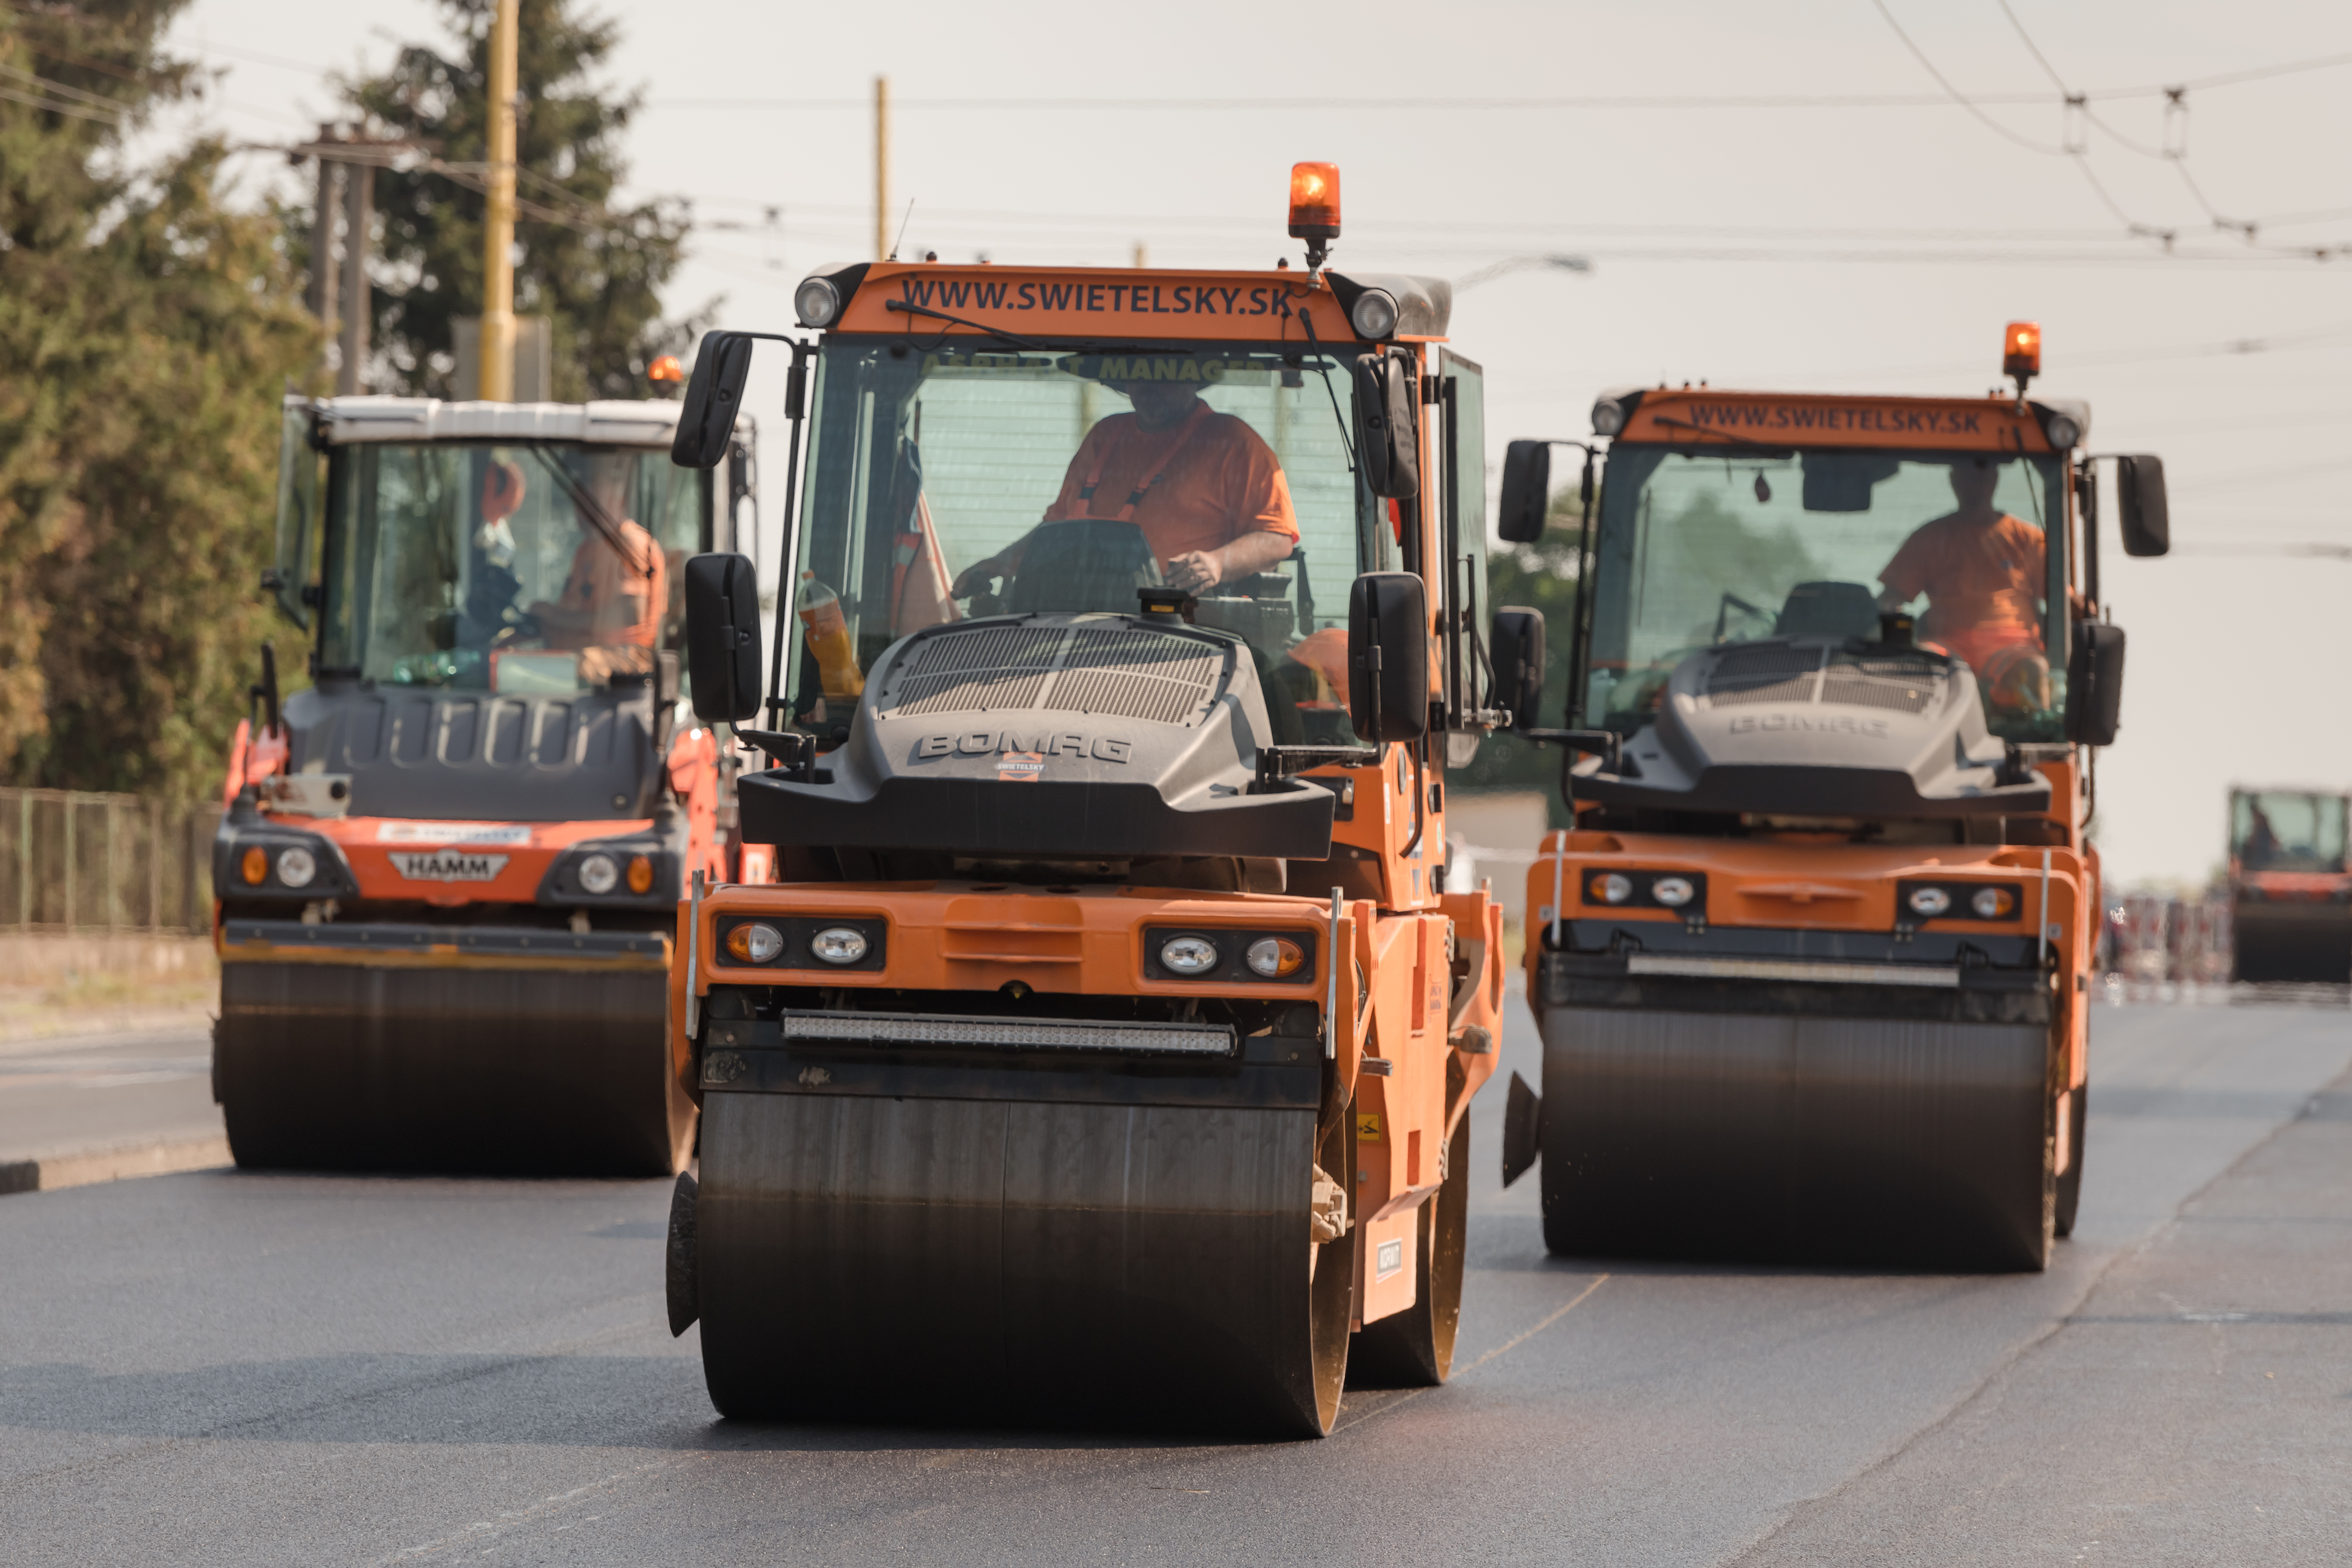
(1050, 736)
(1819, 727)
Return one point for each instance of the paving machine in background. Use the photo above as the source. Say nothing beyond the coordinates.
(449, 872)
(2290, 890)
(1811, 968)
(1106, 1048)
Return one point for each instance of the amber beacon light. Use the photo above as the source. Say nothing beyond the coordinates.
(1315, 208)
(2020, 349)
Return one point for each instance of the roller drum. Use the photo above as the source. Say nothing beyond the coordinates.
(2277, 942)
(865, 1256)
(1785, 1136)
(333, 1067)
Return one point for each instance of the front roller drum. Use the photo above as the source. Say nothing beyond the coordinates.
(345, 1068)
(873, 1258)
(1787, 1138)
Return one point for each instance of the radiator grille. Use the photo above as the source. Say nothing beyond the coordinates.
(1115, 671)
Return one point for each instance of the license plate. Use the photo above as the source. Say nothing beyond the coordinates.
(449, 866)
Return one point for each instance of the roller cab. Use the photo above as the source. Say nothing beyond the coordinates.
(2290, 890)
(448, 873)
(1112, 1025)
(1812, 966)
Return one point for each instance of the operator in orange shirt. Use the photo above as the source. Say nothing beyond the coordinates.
(612, 600)
(1984, 572)
(1208, 493)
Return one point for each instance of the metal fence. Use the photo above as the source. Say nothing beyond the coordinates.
(72, 861)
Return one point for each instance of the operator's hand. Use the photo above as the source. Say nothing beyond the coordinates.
(973, 579)
(1195, 569)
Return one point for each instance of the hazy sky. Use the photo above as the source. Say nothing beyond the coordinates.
(1752, 243)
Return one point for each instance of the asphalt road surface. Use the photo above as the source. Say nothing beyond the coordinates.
(76, 1092)
(224, 1368)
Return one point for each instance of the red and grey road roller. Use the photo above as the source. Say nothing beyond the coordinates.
(1812, 966)
(448, 875)
(2290, 886)
(1112, 1025)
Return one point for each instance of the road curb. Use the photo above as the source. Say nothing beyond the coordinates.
(86, 1167)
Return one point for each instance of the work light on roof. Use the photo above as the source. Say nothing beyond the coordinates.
(817, 300)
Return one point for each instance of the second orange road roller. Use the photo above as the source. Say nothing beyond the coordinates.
(1811, 967)
(1106, 1047)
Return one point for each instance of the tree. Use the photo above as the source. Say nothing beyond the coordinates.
(147, 330)
(594, 271)
(1539, 576)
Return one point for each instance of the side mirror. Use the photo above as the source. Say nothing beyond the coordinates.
(1388, 656)
(1517, 651)
(1527, 491)
(1388, 433)
(2140, 505)
(722, 636)
(706, 424)
(2095, 684)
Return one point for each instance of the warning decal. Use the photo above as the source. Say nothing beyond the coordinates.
(1367, 1126)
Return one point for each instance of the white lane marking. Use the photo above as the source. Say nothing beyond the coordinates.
(483, 1530)
(1505, 1347)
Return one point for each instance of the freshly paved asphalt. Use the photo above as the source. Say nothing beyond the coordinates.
(71, 1093)
(219, 1368)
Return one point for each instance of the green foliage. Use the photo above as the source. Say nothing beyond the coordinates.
(1539, 576)
(594, 270)
(146, 332)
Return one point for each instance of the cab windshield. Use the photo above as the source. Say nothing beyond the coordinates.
(532, 569)
(2287, 830)
(1700, 548)
(964, 482)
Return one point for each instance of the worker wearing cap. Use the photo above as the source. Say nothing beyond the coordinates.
(1984, 572)
(613, 599)
(1208, 493)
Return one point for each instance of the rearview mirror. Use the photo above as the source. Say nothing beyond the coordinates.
(1387, 436)
(722, 637)
(1527, 490)
(1388, 656)
(2140, 505)
(2095, 684)
(1517, 647)
(713, 397)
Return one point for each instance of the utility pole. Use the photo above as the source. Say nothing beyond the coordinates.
(497, 220)
(881, 168)
(359, 210)
(321, 298)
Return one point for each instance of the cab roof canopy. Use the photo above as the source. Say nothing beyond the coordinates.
(347, 421)
(1715, 416)
(1125, 303)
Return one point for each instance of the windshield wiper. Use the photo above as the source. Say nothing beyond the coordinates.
(607, 527)
(903, 308)
(1323, 369)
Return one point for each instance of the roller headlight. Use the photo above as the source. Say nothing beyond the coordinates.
(1374, 313)
(1608, 417)
(1992, 903)
(754, 943)
(254, 866)
(297, 866)
(838, 944)
(1272, 956)
(1672, 891)
(1188, 955)
(1929, 902)
(2062, 431)
(817, 300)
(1610, 887)
(641, 874)
(599, 875)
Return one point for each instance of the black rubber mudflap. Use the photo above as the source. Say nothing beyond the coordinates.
(874, 1258)
(1788, 1138)
(680, 1286)
(327, 1067)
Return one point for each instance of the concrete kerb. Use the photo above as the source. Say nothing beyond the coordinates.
(83, 1168)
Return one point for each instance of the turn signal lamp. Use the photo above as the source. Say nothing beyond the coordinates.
(1275, 957)
(254, 866)
(666, 368)
(754, 943)
(1314, 201)
(1610, 888)
(641, 874)
(1993, 903)
(2020, 349)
